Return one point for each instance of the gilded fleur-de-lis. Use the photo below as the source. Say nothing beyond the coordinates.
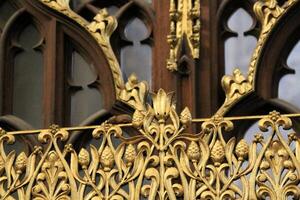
(162, 103)
(274, 115)
(54, 128)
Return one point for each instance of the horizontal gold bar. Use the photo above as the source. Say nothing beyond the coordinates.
(75, 128)
(244, 117)
(196, 120)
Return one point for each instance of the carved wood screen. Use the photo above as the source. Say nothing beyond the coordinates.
(117, 140)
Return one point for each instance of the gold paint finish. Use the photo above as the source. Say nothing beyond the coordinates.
(235, 87)
(134, 93)
(163, 161)
(268, 12)
(184, 30)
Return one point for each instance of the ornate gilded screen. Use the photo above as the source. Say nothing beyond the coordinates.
(148, 147)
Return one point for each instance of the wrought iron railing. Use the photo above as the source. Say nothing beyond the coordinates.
(162, 161)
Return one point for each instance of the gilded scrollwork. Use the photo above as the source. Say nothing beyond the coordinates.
(276, 171)
(135, 93)
(58, 4)
(162, 161)
(268, 12)
(101, 28)
(235, 87)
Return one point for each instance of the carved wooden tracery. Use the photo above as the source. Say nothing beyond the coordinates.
(56, 30)
(148, 149)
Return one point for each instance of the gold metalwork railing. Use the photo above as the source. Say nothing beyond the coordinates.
(162, 161)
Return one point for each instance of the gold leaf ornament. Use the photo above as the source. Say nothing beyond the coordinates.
(242, 150)
(274, 115)
(84, 158)
(185, 116)
(107, 159)
(20, 163)
(130, 154)
(135, 92)
(137, 119)
(218, 153)
(193, 151)
(58, 4)
(162, 103)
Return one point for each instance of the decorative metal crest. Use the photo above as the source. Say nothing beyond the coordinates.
(163, 161)
(268, 12)
(135, 93)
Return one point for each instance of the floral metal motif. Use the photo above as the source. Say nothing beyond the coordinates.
(135, 92)
(184, 29)
(235, 87)
(162, 161)
(268, 12)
